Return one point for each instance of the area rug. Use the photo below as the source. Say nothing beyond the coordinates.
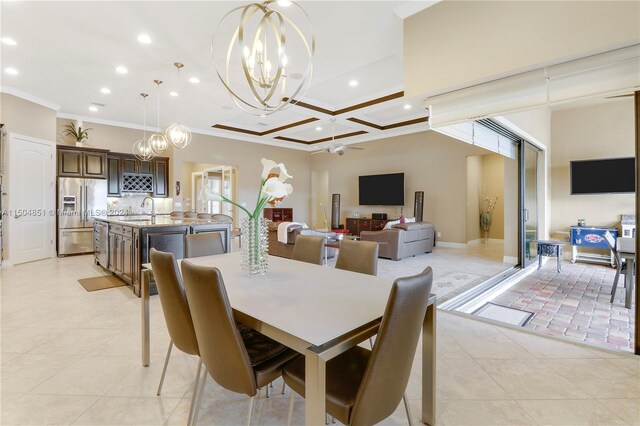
(454, 284)
(504, 314)
(100, 283)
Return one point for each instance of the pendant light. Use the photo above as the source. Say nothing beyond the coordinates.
(178, 134)
(157, 141)
(141, 149)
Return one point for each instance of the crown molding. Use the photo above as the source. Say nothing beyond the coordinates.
(29, 97)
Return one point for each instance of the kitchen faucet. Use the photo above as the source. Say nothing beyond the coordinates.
(153, 206)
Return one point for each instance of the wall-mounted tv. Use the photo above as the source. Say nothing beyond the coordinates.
(382, 190)
(609, 176)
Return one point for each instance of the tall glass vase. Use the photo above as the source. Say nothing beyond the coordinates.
(485, 224)
(255, 246)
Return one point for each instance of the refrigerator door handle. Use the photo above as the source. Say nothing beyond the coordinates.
(86, 198)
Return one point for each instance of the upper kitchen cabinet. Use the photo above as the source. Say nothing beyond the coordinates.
(114, 176)
(82, 162)
(161, 177)
(131, 164)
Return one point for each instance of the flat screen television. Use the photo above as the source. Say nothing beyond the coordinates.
(609, 176)
(382, 190)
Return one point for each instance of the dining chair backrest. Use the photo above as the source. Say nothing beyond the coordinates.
(204, 244)
(174, 301)
(222, 218)
(358, 256)
(190, 215)
(386, 377)
(222, 349)
(308, 248)
(611, 242)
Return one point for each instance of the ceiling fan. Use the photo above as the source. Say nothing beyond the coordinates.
(333, 148)
(336, 149)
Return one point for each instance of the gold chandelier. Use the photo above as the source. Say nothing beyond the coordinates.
(269, 58)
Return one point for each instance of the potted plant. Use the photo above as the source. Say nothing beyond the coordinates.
(76, 131)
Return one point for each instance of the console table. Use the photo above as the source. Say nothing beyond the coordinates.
(593, 237)
(357, 225)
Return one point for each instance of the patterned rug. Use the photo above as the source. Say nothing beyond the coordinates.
(454, 283)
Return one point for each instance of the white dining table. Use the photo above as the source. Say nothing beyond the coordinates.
(317, 311)
(627, 249)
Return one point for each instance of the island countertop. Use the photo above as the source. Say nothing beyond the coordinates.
(159, 221)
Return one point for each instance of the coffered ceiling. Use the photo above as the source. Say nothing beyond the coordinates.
(66, 52)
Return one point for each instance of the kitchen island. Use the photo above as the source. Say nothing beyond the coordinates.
(122, 243)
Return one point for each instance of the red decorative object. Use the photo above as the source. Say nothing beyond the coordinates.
(340, 231)
(402, 219)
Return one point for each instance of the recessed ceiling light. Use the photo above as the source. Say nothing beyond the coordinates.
(11, 71)
(318, 128)
(120, 69)
(105, 90)
(284, 3)
(93, 108)
(173, 93)
(407, 106)
(8, 41)
(144, 39)
(194, 80)
(353, 83)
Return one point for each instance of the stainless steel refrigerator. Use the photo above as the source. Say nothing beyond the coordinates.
(78, 201)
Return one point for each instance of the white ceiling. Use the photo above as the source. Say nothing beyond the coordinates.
(67, 51)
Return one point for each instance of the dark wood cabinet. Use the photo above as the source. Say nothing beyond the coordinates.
(279, 214)
(82, 163)
(357, 225)
(114, 176)
(161, 177)
(131, 164)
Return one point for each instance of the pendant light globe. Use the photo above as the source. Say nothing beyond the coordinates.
(142, 151)
(158, 143)
(178, 135)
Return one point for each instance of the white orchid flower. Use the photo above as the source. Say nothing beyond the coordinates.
(267, 166)
(275, 188)
(283, 173)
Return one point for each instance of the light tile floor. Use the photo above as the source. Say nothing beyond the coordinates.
(575, 303)
(73, 357)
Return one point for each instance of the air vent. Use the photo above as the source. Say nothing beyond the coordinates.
(137, 183)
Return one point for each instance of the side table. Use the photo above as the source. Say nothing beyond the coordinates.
(550, 248)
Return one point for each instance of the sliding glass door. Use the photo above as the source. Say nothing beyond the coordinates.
(529, 202)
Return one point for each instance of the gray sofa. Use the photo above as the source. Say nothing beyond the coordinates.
(276, 248)
(402, 240)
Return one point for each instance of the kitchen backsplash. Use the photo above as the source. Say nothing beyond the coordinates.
(130, 204)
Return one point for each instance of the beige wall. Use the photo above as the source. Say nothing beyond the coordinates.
(594, 132)
(27, 118)
(245, 157)
(485, 176)
(500, 37)
(432, 162)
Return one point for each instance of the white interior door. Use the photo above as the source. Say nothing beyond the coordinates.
(31, 199)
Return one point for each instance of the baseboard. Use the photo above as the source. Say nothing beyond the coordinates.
(512, 260)
(450, 245)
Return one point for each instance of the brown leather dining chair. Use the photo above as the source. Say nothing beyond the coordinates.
(239, 363)
(190, 215)
(308, 249)
(358, 256)
(176, 313)
(204, 215)
(365, 387)
(205, 244)
(176, 214)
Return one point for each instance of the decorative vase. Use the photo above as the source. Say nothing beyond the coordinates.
(255, 246)
(485, 224)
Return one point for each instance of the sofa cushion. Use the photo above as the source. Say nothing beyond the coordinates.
(416, 231)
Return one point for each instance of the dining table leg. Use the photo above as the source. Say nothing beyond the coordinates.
(429, 366)
(315, 388)
(144, 300)
(628, 283)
